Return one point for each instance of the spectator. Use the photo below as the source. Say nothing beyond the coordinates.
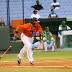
(35, 15)
(53, 15)
(48, 42)
(38, 6)
(62, 27)
(55, 4)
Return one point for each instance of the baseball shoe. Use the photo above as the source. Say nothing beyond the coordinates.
(60, 46)
(31, 63)
(19, 62)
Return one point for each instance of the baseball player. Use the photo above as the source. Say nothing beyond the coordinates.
(48, 42)
(62, 27)
(27, 37)
(47, 30)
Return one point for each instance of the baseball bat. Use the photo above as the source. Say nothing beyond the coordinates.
(5, 52)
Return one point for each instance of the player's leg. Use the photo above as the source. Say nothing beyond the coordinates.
(22, 51)
(28, 42)
(51, 45)
(36, 44)
(45, 46)
(60, 36)
(29, 51)
(39, 45)
(27, 48)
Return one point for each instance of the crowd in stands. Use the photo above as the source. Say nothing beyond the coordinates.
(37, 6)
(35, 14)
(55, 5)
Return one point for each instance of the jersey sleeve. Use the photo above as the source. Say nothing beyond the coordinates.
(60, 28)
(49, 15)
(68, 27)
(50, 34)
(44, 38)
(20, 27)
(40, 29)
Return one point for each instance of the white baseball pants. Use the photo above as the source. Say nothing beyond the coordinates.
(60, 36)
(37, 44)
(27, 47)
(49, 45)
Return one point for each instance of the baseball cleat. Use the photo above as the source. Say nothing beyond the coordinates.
(60, 46)
(19, 62)
(31, 63)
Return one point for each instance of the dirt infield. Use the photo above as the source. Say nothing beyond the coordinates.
(38, 64)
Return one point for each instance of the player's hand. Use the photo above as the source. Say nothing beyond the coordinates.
(53, 40)
(14, 38)
(15, 35)
(47, 38)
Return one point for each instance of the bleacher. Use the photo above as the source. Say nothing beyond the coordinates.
(64, 11)
(16, 11)
(3, 10)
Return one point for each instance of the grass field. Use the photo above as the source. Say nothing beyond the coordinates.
(39, 56)
(35, 70)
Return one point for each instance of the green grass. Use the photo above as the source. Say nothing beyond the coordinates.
(41, 56)
(35, 70)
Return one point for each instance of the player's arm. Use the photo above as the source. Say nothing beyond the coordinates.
(20, 27)
(56, 6)
(40, 30)
(53, 40)
(68, 28)
(17, 30)
(45, 39)
(60, 29)
(64, 30)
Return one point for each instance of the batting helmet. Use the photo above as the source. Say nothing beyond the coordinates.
(34, 20)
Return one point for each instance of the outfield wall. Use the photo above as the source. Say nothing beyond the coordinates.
(4, 37)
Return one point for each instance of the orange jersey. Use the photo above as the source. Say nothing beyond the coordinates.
(28, 31)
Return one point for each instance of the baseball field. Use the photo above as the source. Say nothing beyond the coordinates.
(60, 61)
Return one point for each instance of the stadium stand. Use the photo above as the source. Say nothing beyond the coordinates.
(64, 11)
(3, 10)
(17, 13)
(15, 10)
